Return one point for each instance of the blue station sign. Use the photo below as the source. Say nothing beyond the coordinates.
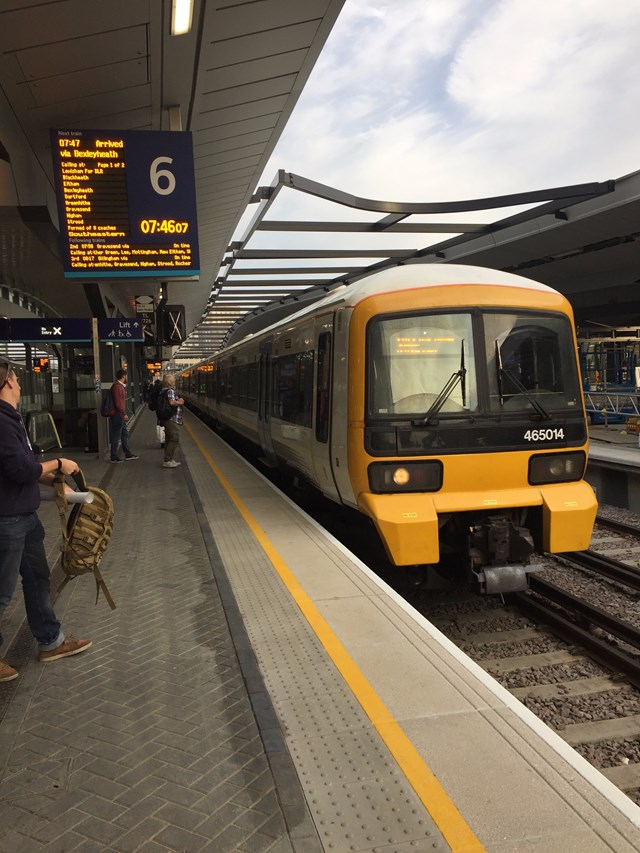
(121, 329)
(49, 330)
(126, 203)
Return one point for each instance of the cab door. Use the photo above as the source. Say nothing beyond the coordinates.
(321, 440)
(264, 402)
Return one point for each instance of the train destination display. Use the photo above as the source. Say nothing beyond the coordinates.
(126, 202)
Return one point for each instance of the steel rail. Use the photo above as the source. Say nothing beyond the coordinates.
(605, 654)
(605, 566)
(618, 526)
(595, 615)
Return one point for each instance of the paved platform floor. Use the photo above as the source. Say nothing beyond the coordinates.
(164, 737)
(148, 741)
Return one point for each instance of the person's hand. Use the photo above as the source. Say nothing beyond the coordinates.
(68, 467)
(126, 417)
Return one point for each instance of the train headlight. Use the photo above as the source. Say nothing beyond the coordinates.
(556, 468)
(406, 477)
(401, 476)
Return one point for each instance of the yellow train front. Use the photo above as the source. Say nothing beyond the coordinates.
(467, 439)
(442, 401)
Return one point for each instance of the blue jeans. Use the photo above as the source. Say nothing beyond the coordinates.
(22, 552)
(118, 432)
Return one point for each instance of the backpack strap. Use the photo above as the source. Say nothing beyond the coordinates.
(61, 502)
(61, 498)
(100, 585)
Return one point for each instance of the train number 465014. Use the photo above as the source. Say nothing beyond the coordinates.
(544, 434)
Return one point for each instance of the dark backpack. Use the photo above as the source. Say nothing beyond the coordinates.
(85, 533)
(107, 409)
(153, 398)
(164, 410)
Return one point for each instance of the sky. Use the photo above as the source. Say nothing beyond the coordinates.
(429, 100)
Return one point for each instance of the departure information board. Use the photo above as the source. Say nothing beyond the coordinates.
(126, 202)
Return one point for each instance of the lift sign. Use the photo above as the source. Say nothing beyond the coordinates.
(126, 202)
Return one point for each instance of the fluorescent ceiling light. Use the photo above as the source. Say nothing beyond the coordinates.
(181, 16)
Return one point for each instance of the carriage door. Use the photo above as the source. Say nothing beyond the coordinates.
(264, 402)
(322, 427)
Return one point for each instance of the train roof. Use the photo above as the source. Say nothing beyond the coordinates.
(392, 278)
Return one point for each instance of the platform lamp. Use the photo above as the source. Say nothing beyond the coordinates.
(181, 17)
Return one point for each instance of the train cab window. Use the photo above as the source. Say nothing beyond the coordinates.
(414, 360)
(531, 362)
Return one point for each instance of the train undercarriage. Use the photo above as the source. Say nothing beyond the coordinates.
(491, 550)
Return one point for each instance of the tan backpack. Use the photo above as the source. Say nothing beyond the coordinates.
(86, 532)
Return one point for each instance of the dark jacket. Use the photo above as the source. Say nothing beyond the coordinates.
(19, 470)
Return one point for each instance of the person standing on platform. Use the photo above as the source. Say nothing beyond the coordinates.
(21, 531)
(118, 430)
(172, 426)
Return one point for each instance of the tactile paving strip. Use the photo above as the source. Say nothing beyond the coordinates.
(357, 795)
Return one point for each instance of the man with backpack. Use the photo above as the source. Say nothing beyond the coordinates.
(118, 430)
(169, 414)
(21, 532)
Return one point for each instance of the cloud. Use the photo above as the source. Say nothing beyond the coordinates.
(415, 100)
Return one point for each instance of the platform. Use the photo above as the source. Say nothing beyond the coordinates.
(257, 688)
(614, 466)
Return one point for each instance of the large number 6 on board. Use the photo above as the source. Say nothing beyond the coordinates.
(155, 174)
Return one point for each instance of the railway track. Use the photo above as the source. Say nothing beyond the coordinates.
(574, 664)
(617, 539)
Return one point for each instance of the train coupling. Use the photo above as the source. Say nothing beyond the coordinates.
(493, 580)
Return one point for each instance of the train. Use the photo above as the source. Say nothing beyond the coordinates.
(444, 402)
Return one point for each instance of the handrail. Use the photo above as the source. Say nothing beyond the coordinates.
(619, 403)
(42, 431)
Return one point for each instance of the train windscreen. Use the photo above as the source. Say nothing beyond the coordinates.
(427, 365)
(418, 360)
(532, 362)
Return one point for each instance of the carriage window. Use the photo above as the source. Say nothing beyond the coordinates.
(412, 359)
(292, 396)
(530, 356)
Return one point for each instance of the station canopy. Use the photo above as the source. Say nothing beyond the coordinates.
(339, 238)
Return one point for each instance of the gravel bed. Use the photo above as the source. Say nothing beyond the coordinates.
(502, 622)
(538, 646)
(624, 550)
(616, 513)
(449, 609)
(567, 710)
(611, 753)
(550, 674)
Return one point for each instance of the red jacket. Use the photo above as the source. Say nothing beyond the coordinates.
(118, 395)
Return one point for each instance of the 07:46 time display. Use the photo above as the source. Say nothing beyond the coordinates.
(163, 226)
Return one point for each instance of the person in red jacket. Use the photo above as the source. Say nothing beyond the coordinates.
(118, 430)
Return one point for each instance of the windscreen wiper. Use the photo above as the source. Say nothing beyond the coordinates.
(447, 391)
(504, 372)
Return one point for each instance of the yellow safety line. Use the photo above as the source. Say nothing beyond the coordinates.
(446, 816)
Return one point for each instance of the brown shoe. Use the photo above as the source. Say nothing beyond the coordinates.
(7, 673)
(71, 646)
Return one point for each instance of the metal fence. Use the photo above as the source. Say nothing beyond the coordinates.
(605, 407)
